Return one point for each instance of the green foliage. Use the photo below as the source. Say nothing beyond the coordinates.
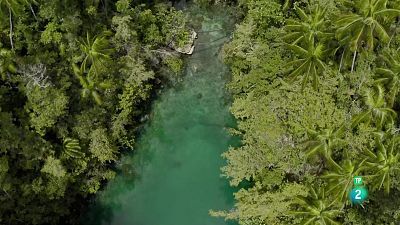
(97, 52)
(316, 208)
(264, 14)
(3, 171)
(50, 34)
(56, 148)
(90, 87)
(72, 148)
(175, 64)
(258, 207)
(15, 6)
(101, 147)
(135, 90)
(204, 3)
(10, 8)
(323, 136)
(310, 28)
(53, 167)
(44, 172)
(3, 165)
(340, 180)
(323, 143)
(45, 107)
(308, 36)
(366, 24)
(287, 4)
(309, 64)
(123, 31)
(377, 110)
(385, 161)
(390, 74)
(7, 66)
(174, 25)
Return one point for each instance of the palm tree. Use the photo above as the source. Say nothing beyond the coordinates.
(6, 63)
(309, 64)
(97, 52)
(341, 179)
(390, 74)
(365, 25)
(72, 148)
(377, 110)
(323, 142)
(316, 208)
(90, 87)
(309, 28)
(384, 161)
(287, 4)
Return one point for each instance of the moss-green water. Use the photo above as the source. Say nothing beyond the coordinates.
(173, 178)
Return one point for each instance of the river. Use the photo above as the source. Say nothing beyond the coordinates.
(177, 160)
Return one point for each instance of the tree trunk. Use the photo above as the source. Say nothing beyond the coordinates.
(104, 6)
(341, 60)
(354, 61)
(11, 29)
(33, 11)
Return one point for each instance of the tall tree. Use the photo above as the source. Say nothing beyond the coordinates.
(362, 28)
(389, 75)
(377, 109)
(317, 209)
(97, 52)
(90, 86)
(340, 180)
(309, 63)
(384, 160)
(310, 28)
(323, 142)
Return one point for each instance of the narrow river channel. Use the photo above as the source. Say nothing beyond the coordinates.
(177, 159)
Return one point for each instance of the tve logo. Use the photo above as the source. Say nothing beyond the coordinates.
(359, 193)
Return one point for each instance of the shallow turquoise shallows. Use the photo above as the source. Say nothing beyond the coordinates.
(177, 161)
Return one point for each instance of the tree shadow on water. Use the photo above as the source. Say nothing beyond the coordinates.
(99, 214)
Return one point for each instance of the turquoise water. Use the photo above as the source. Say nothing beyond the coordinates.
(173, 178)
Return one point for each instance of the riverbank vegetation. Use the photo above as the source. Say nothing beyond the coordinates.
(316, 94)
(76, 77)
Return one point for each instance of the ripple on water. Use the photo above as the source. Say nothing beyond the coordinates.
(173, 178)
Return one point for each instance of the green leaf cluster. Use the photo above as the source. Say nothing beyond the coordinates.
(76, 79)
(316, 96)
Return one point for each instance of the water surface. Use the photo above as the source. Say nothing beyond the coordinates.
(173, 177)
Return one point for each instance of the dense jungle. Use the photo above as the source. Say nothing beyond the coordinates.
(313, 90)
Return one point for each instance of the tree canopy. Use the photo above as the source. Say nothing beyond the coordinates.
(304, 139)
(75, 81)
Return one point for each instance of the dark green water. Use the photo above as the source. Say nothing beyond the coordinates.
(177, 161)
